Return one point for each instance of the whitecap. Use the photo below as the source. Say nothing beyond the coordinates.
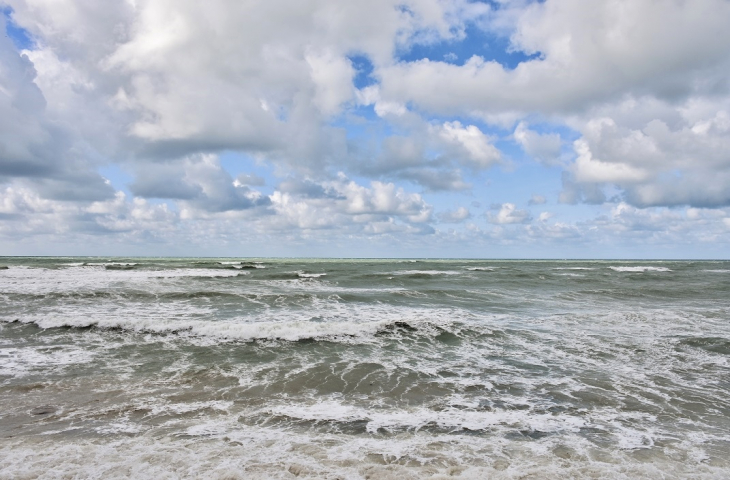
(30, 280)
(640, 269)
(20, 361)
(310, 275)
(418, 418)
(426, 272)
(107, 264)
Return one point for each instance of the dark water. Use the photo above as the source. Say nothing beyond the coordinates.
(261, 368)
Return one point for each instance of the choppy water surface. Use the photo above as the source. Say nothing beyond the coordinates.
(261, 368)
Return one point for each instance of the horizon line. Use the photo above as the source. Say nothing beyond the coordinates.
(381, 258)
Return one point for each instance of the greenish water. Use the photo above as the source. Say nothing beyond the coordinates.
(276, 368)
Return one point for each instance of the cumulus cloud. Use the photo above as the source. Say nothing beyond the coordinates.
(249, 179)
(664, 225)
(507, 213)
(199, 183)
(227, 75)
(544, 148)
(342, 203)
(454, 216)
(160, 88)
(587, 53)
(434, 179)
(537, 200)
(37, 143)
(469, 145)
(433, 155)
(545, 216)
(27, 214)
(673, 160)
(646, 85)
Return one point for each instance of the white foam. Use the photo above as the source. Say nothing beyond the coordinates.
(159, 408)
(111, 264)
(311, 275)
(114, 428)
(23, 360)
(418, 418)
(640, 269)
(240, 264)
(328, 320)
(573, 268)
(259, 453)
(28, 280)
(425, 272)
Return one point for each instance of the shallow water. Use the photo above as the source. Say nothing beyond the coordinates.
(262, 368)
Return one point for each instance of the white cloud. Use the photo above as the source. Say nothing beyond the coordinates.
(592, 170)
(199, 183)
(433, 155)
(470, 146)
(249, 179)
(545, 216)
(39, 142)
(160, 88)
(544, 148)
(26, 214)
(199, 73)
(679, 158)
(537, 200)
(507, 214)
(345, 204)
(454, 216)
(590, 52)
(332, 77)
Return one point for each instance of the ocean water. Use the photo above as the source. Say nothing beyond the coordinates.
(282, 368)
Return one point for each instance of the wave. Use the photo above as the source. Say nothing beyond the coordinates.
(710, 344)
(312, 328)
(103, 271)
(97, 279)
(481, 269)
(640, 269)
(110, 264)
(310, 275)
(447, 420)
(574, 268)
(135, 296)
(425, 272)
(259, 452)
(279, 276)
(243, 265)
(20, 361)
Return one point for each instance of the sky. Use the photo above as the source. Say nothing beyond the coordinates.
(379, 128)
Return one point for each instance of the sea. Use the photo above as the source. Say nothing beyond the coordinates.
(258, 368)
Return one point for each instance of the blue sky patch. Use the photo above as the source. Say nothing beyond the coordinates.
(475, 41)
(21, 37)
